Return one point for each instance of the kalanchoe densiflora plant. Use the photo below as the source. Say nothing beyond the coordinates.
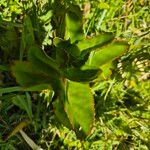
(70, 70)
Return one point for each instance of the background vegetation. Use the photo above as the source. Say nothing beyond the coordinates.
(121, 99)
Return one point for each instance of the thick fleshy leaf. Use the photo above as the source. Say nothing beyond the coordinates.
(80, 108)
(61, 114)
(74, 24)
(80, 61)
(61, 57)
(42, 61)
(109, 53)
(27, 76)
(41, 71)
(33, 79)
(79, 75)
(69, 48)
(88, 44)
(46, 65)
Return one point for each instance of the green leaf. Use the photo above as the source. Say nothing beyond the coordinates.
(47, 16)
(80, 61)
(27, 37)
(74, 24)
(10, 89)
(29, 33)
(109, 53)
(42, 61)
(79, 75)
(27, 75)
(33, 79)
(106, 70)
(47, 66)
(24, 102)
(69, 48)
(95, 42)
(38, 76)
(61, 114)
(61, 55)
(38, 87)
(80, 108)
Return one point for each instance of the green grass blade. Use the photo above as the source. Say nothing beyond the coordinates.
(10, 89)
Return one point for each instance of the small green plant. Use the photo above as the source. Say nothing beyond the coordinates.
(76, 62)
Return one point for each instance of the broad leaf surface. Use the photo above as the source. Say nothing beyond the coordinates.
(80, 107)
(28, 77)
(42, 61)
(95, 42)
(79, 75)
(70, 49)
(33, 79)
(109, 53)
(41, 71)
(74, 24)
(47, 66)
